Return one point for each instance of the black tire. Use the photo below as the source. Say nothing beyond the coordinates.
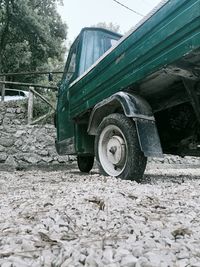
(131, 162)
(85, 163)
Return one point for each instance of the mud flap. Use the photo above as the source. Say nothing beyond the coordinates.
(148, 138)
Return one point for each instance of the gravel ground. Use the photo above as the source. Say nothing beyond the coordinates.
(64, 218)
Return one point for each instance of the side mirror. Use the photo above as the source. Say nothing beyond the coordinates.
(50, 77)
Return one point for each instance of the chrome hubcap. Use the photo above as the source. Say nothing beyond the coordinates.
(116, 150)
(112, 150)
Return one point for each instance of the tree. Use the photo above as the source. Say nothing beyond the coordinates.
(109, 26)
(31, 34)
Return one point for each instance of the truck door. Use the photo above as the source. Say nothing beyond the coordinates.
(65, 126)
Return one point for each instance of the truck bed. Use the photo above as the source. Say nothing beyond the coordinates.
(151, 60)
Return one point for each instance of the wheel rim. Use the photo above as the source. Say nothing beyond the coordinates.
(112, 150)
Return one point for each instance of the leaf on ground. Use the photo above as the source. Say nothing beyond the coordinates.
(132, 197)
(6, 254)
(47, 204)
(46, 238)
(67, 237)
(159, 207)
(181, 232)
(98, 201)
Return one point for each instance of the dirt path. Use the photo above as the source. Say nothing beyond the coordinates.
(64, 218)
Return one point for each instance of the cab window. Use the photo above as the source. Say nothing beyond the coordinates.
(70, 67)
(95, 43)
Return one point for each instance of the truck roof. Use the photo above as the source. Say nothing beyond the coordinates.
(102, 30)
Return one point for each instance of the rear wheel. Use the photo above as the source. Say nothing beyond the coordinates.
(85, 163)
(117, 148)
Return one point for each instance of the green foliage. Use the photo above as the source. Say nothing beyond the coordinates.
(31, 36)
(41, 108)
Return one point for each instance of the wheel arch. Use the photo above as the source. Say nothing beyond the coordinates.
(135, 107)
(132, 106)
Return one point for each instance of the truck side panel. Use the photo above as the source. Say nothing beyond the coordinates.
(171, 33)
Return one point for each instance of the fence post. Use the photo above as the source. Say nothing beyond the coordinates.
(30, 105)
(3, 89)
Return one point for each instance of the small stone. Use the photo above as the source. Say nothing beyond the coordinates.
(20, 156)
(183, 263)
(27, 245)
(10, 116)
(194, 262)
(16, 122)
(18, 143)
(43, 152)
(7, 141)
(62, 159)
(19, 133)
(155, 259)
(19, 110)
(6, 121)
(17, 261)
(143, 262)
(108, 255)
(32, 158)
(9, 129)
(82, 259)
(3, 157)
(2, 148)
(32, 148)
(25, 148)
(67, 263)
(11, 161)
(90, 261)
(47, 159)
(183, 255)
(6, 264)
(10, 110)
(12, 150)
(129, 261)
(138, 251)
(149, 243)
(120, 252)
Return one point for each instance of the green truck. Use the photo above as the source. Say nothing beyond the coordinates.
(124, 99)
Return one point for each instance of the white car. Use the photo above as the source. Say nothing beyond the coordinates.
(15, 94)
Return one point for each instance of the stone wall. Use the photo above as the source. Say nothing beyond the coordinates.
(21, 144)
(13, 113)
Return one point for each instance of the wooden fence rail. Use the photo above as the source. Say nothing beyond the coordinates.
(32, 92)
(30, 105)
(30, 73)
(30, 84)
(2, 86)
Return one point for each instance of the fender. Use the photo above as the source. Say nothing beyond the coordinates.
(139, 110)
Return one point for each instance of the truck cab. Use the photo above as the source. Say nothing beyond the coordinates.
(72, 138)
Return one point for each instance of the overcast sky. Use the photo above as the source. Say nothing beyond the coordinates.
(81, 13)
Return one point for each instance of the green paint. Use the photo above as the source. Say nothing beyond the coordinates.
(165, 38)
